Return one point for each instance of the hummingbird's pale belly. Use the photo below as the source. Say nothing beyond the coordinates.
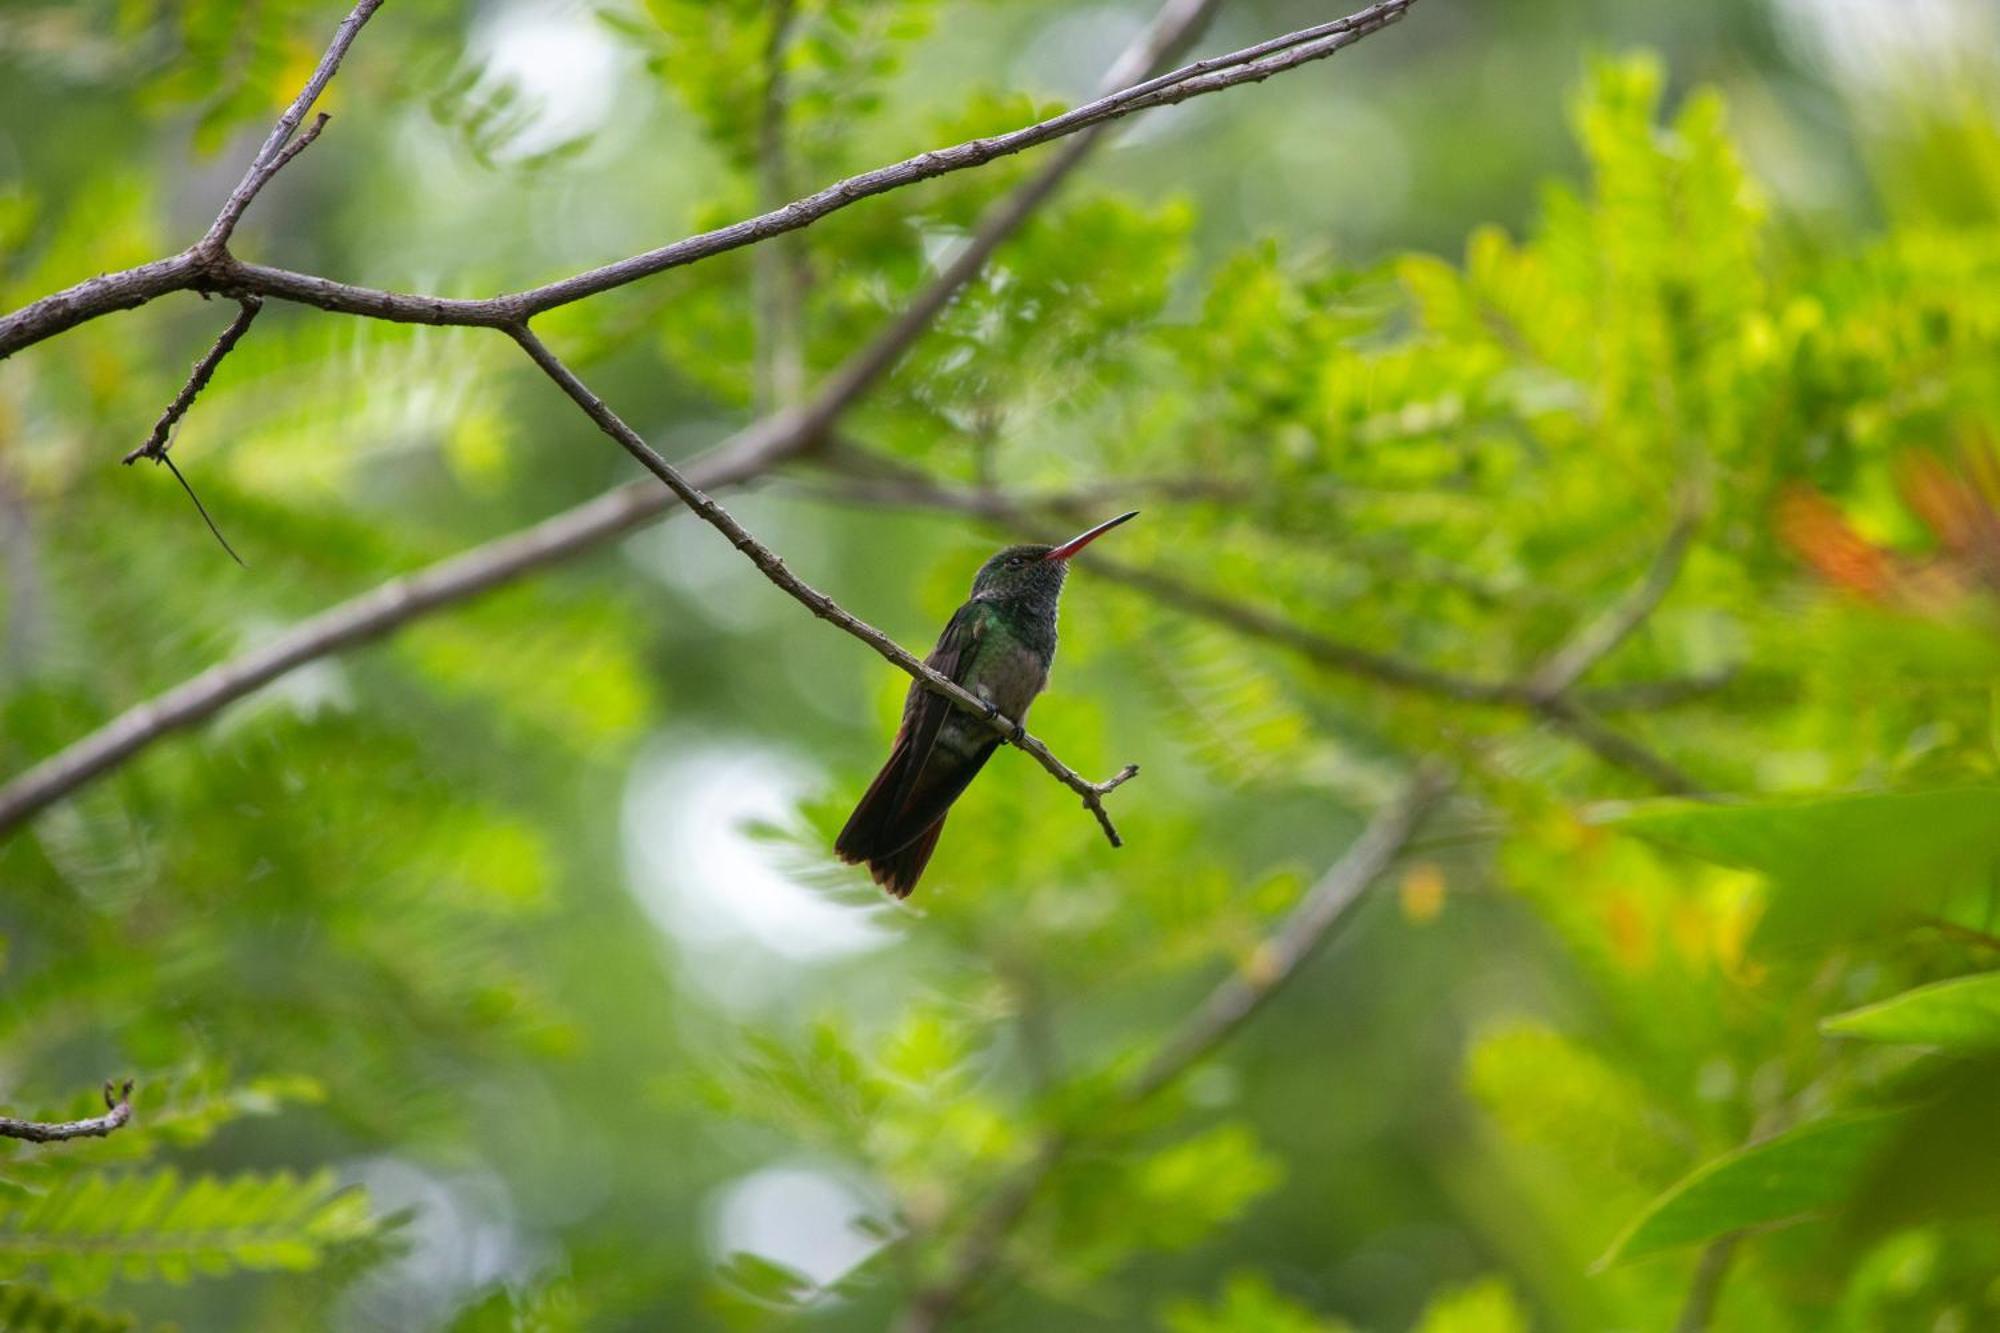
(1008, 677)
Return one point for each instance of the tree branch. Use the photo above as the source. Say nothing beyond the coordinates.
(1613, 746)
(157, 443)
(356, 621)
(278, 149)
(1236, 1000)
(1601, 637)
(1711, 1271)
(118, 1110)
(1652, 696)
(87, 300)
(1305, 928)
(208, 267)
(815, 601)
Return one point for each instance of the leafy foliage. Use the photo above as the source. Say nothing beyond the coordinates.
(472, 916)
(25, 1307)
(157, 1226)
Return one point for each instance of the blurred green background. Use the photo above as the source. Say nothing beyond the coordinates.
(499, 975)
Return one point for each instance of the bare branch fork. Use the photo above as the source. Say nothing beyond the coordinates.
(117, 1111)
(750, 453)
(821, 605)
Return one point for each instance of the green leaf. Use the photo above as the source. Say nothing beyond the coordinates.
(1840, 865)
(1963, 1013)
(24, 1308)
(1806, 1170)
(154, 1225)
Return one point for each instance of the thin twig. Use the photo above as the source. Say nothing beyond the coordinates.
(274, 154)
(1964, 934)
(1601, 637)
(199, 507)
(821, 605)
(1710, 1272)
(300, 144)
(118, 1110)
(1652, 696)
(157, 443)
(1613, 746)
(208, 266)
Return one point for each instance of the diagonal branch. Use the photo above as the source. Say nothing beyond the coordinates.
(1653, 696)
(821, 605)
(1325, 905)
(1233, 1003)
(157, 443)
(1601, 637)
(208, 267)
(278, 148)
(751, 452)
(118, 1110)
(1711, 1271)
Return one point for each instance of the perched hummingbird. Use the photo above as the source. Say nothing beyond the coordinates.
(998, 646)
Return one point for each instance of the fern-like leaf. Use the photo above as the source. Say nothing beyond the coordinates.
(84, 1231)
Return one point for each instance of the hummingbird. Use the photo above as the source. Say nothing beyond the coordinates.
(998, 646)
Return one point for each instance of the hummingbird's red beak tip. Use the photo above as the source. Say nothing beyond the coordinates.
(1083, 539)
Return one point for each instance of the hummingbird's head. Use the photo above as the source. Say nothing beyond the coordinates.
(1035, 572)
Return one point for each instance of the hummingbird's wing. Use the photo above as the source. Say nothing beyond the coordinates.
(925, 711)
(896, 824)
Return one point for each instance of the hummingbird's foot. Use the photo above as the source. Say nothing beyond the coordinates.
(1016, 733)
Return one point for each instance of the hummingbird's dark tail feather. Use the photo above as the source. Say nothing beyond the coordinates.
(896, 825)
(865, 835)
(899, 871)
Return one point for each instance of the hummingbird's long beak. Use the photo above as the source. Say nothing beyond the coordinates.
(1083, 539)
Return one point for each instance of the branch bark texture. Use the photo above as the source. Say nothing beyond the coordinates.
(117, 1112)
